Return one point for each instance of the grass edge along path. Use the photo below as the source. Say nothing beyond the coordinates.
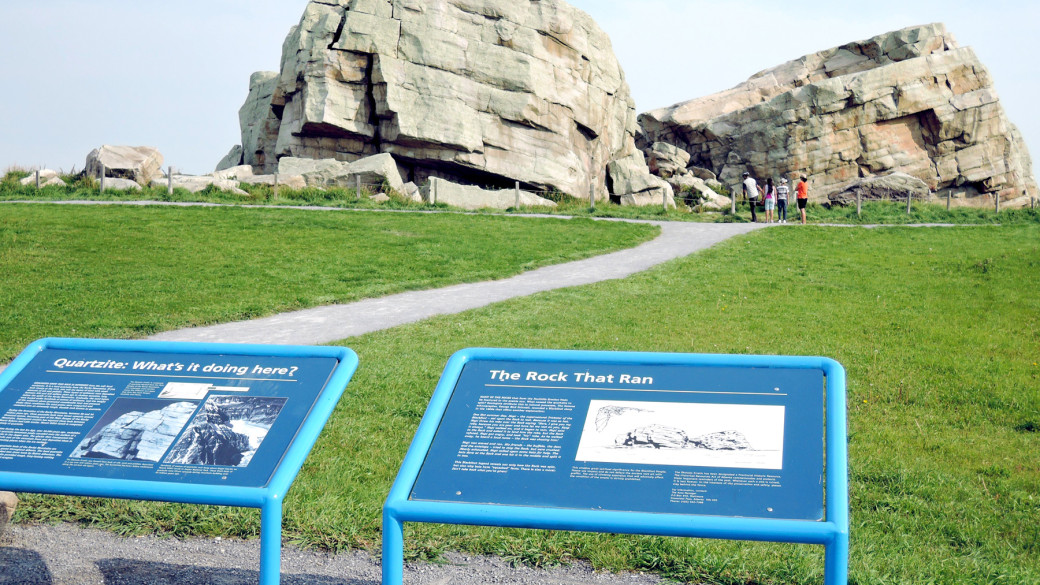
(938, 330)
(130, 271)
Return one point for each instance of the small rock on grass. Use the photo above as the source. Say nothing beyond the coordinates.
(8, 503)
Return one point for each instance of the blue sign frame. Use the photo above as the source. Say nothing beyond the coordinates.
(281, 465)
(431, 488)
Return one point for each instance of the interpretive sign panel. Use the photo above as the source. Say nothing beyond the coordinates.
(183, 422)
(680, 439)
(738, 447)
(172, 417)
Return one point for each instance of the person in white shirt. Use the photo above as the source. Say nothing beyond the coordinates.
(751, 192)
(781, 200)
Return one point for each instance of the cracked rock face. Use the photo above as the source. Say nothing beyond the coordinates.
(139, 164)
(138, 436)
(486, 92)
(227, 431)
(909, 101)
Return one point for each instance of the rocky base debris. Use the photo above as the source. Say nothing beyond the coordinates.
(693, 186)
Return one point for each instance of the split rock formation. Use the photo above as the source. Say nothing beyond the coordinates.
(485, 92)
(910, 101)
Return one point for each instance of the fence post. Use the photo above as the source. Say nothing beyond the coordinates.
(274, 187)
(169, 180)
(592, 198)
(909, 200)
(516, 189)
(357, 188)
(733, 203)
(997, 198)
(859, 202)
(101, 187)
(664, 200)
(37, 179)
(433, 190)
(949, 195)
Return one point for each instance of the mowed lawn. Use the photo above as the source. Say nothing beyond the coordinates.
(128, 271)
(938, 328)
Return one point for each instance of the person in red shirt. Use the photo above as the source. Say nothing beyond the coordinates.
(802, 191)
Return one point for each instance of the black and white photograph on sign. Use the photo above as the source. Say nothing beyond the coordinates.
(227, 431)
(194, 390)
(136, 429)
(684, 434)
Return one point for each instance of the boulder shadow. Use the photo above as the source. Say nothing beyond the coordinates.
(23, 567)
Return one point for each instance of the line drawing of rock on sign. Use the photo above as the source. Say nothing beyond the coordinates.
(683, 434)
(605, 413)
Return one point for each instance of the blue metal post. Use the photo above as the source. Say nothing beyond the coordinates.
(271, 541)
(393, 549)
(836, 560)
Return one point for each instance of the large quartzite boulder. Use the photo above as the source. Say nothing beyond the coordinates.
(473, 197)
(892, 187)
(909, 101)
(139, 164)
(374, 171)
(485, 92)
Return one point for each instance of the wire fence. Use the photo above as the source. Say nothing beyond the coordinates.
(429, 192)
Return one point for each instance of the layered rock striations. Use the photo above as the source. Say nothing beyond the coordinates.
(138, 436)
(227, 431)
(909, 101)
(485, 92)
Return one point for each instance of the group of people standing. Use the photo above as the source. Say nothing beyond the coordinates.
(775, 196)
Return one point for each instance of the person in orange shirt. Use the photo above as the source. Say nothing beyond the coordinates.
(803, 196)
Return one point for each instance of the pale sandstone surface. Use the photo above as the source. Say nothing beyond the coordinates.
(909, 101)
(485, 92)
(472, 197)
(139, 164)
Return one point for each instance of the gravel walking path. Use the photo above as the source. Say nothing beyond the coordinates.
(334, 322)
(70, 555)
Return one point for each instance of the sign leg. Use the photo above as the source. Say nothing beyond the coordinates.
(393, 549)
(836, 562)
(271, 542)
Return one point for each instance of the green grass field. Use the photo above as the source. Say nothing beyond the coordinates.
(938, 328)
(128, 271)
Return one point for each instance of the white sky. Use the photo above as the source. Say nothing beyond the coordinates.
(172, 74)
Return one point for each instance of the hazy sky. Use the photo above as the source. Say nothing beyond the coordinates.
(81, 73)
